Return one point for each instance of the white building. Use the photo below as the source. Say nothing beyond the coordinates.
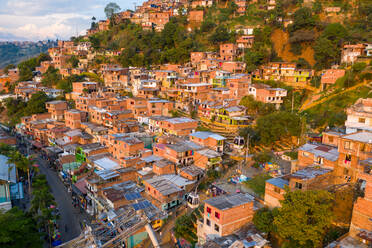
(359, 116)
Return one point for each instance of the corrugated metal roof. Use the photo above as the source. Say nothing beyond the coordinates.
(224, 202)
(278, 182)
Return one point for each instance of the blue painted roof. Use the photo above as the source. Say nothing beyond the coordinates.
(132, 196)
(205, 135)
(278, 182)
(142, 205)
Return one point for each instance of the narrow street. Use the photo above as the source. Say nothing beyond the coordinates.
(69, 216)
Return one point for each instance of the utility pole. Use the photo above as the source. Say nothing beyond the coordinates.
(292, 99)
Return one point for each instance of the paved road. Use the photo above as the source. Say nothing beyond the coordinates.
(69, 215)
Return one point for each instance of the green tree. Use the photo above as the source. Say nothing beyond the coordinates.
(111, 9)
(278, 125)
(184, 227)
(220, 34)
(304, 217)
(28, 66)
(18, 230)
(73, 61)
(263, 220)
(51, 77)
(36, 104)
(6, 68)
(302, 19)
(325, 53)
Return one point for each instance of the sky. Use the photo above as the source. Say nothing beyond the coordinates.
(33, 20)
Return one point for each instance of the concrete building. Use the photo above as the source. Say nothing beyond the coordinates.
(359, 116)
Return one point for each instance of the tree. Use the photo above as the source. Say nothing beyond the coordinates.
(278, 125)
(184, 227)
(36, 104)
(28, 66)
(325, 53)
(317, 7)
(220, 34)
(73, 61)
(8, 67)
(22, 164)
(263, 220)
(111, 9)
(51, 77)
(304, 217)
(302, 19)
(18, 230)
(41, 203)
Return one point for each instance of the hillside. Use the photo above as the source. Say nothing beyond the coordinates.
(282, 47)
(15, 52)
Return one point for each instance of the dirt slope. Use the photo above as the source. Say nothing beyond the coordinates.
(282, 47)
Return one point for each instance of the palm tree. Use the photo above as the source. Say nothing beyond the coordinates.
(22, 163)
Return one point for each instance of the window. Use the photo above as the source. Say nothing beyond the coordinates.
(209, 210)
(330, 139)
(216, 228)
(277, 190)
(217, 215)
(362, 120)
(347, 145)
(347, 158)
(298, 185)
(208, 222)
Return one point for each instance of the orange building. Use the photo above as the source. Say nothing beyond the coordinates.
(57, 109)
(224, 215)
(163, 167)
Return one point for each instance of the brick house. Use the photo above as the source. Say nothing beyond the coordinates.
(274, 191)
(309, 178)
(196, 16)
(233, 66)
(201, 3)
(104, 25)
(238, 85)
(84, 87)
(264, 93)
(212, 140)
(181, 152)
(330, 76)
(191, 172)
(352, 148)
(317, 154)
(167, 191)
(159, 19)
(163, 167)
(228, 51)
(361, 221)
(350, 53)
(57, 109)
(13, 74)
(223, 215)
(180, 126)
(125, 146)
(207, 158)
(245, 41)
(74, 118)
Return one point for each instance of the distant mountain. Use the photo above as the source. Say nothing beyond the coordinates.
(13, 52)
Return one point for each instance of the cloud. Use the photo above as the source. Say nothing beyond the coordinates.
(50, 19)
